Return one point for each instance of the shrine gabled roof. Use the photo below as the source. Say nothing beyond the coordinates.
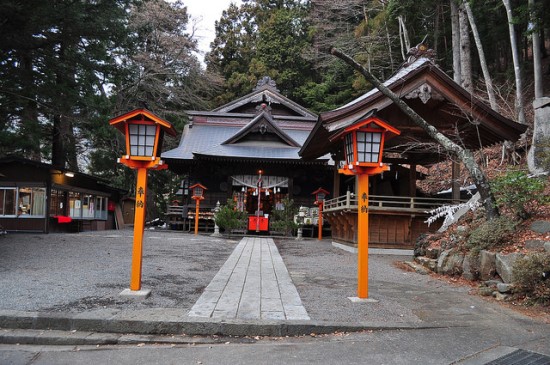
(204, 140)
(265, 123)
(261, 125)
(268, 94)
(432, 94)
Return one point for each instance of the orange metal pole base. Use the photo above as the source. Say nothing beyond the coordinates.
(363, 236)
(139, 226)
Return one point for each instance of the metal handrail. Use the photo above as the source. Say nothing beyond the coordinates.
(380, 203)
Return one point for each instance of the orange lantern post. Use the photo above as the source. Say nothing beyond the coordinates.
(198, 195)
(259, 190)
(144, 132)
(320, 195)
(363, 149)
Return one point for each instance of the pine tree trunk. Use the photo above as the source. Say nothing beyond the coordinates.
(515, 57)
(482, 59)
(30, 126)
(63, 138)
(464, 155)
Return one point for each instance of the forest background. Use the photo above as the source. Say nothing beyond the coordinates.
(68, 66)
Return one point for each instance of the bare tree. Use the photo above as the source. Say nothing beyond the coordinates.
(535, 28)
(464, 155)
(167, 76)
(515, 57)
(541, 128)
(455, 33)
(481, 54)
(465, 50)
(403, 37)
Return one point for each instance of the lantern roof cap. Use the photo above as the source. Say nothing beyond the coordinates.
(320, 190)
(365, 121)
(198, 185)
(145, 115)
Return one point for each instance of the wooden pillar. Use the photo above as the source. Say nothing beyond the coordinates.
(335, 181)
(290, 187)
(412, 180)
(455, 183)
(229, 192)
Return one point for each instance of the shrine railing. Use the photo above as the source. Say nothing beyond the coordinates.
(385, 203)
(188, 212)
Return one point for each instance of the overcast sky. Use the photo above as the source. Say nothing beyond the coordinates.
(205, 13)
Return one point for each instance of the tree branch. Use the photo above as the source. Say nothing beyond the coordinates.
(464, 155)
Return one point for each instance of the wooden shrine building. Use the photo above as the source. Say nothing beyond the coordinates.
(397, 210)
(226, 148)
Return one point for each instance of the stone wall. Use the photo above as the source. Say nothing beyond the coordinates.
(493, 269)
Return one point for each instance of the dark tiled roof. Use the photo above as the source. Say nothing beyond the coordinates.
(206, 140)
(261, 125)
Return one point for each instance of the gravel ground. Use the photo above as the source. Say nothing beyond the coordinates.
(326, 276)
(80, 272)
(87, 271)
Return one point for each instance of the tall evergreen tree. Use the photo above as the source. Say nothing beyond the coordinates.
(55, 57)
(260, 38)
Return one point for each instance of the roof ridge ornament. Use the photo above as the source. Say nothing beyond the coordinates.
(268, 82)
(421, 50)
(263, 107)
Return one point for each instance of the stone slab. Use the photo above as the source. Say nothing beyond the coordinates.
(363, 300)
(135, 294)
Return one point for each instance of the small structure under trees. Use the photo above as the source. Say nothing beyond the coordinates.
(40, 197)
(397, 210)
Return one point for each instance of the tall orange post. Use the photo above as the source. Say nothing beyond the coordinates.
(144, 132)
(320, 195)
(197, 205)
(139, 226)
(363, 150)
(363, 236)
(320, 222)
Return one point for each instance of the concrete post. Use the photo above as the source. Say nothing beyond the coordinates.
(216, 228)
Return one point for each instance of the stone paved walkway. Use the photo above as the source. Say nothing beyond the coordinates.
(252, 284)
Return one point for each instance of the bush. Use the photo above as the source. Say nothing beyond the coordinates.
(542, 154)
(517, 192)
(283, 220)
(228, 218)
(490, 233)
(528, 277)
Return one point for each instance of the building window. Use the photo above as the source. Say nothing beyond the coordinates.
(31, 202)
(75, 205)
(57, 203)
(81, 205)
(101, 207)
(88, 206)
(7, 201)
